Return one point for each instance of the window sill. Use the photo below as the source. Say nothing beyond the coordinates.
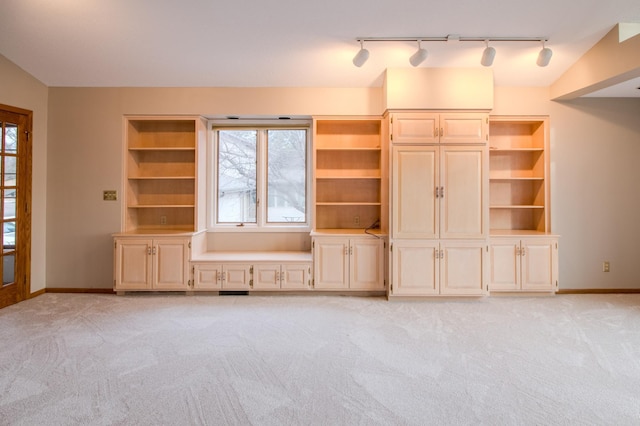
(303, 228)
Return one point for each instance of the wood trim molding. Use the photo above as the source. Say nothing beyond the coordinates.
(599, 291)
(79, 290)
(37, 293)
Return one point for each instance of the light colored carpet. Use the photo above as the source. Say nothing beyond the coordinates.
(321, 360)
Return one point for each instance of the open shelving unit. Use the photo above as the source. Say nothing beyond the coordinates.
(518, 174)
(347, 172)
(160, 174)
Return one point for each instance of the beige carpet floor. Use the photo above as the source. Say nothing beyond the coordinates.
(319, 360)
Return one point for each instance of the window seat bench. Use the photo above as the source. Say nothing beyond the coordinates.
(252, 270)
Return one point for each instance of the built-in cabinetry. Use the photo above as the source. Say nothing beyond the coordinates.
(350, 195)
(161, 156)
(438, 191)
(347, 172)
(247, 271)
(524, 252)
(437, 128)
(160, 212)
(439, 210)
(463, 215)
(344, 262)
(151, 263)
(276, 276)
(220, 276)
(430, 267)
(524, 264)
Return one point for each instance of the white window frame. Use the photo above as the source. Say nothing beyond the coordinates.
(261, 224)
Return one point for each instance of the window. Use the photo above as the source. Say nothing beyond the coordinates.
(261, 177)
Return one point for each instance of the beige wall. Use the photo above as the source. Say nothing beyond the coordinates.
(595, 146)
(20, 89)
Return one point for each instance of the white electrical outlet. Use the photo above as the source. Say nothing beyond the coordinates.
(605, 266)
(356, 220)
(163, 220)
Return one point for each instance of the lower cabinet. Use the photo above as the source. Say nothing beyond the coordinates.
(432, 267)
(151, 264)
(282, 277)
(219, 276)
(254, 276)
(524, 264)
(342, 263)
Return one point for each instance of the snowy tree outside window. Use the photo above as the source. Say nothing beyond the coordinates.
(261, 176)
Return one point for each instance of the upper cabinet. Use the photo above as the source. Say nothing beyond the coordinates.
(348, 171)
(161, 167)
(434, 128)
(438, 192)
(518, 174)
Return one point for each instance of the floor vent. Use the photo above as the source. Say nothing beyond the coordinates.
(234, 293)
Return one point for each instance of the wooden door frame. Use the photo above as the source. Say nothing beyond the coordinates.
(25, 150)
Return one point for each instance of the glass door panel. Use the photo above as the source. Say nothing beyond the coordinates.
(14, 203)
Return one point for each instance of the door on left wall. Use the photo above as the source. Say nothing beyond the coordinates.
(15, 204)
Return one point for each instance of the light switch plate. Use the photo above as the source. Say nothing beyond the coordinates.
(110, 195)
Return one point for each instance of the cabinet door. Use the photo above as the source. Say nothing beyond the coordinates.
(266, 277)
(133, 264)
(236, 277)
(414, 186)
(463, 128)
(505, 264)
(171, 264)
(415, 268)
(462, 268)
(462, 192)
(331, 260)
(538, 264)
(207, 277)
(367, 264)
(295, 276)
(415, 128)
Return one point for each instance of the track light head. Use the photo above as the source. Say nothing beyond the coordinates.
(418, 57)
(544, 57)
(362, 55)
(488, 55)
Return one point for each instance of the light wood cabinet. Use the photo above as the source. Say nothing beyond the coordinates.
(518, 174)
(438, 192)
(343, 263)
(438, 128)
(348, 169)
(528, 264)
(281, 277)
(220, 276)
(439, 203)
(161, 173)
(151, 263)
(432, 267)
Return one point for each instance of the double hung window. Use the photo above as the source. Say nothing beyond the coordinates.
(261, 177)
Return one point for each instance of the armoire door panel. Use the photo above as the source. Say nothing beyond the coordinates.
(461, 199)
(415, 171)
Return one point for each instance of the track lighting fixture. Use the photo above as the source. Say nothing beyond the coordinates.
(362, 55)
(544, 57)
(418, 57)
(488, 55)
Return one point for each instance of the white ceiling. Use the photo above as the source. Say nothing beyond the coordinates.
(290, 43)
